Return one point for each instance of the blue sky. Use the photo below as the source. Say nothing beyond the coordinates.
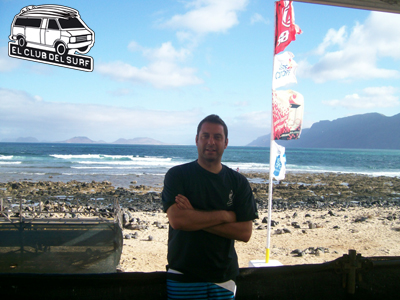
(161, 66)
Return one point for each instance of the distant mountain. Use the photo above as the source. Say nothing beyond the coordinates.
(21, 140)
(81, 140)
(27, 140)
(86, 140)
(139, 141)
(367, 131)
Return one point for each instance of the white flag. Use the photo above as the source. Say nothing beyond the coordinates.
(284, 70)
(279, 159)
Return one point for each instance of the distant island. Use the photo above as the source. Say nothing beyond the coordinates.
(81, 140)
(139, 141)
(86, 140)
(366, 131)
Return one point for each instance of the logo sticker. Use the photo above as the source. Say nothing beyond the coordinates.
(230, 201)
(51, 34)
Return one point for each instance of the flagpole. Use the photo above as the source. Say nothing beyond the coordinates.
(287, 37)
(271, 182)
(271, 163)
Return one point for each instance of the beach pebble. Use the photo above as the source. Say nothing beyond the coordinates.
(312, 225)
(295, 224)
(130, 235)
(136, 227)
(297, 252)
(159, 225)
(361, 219)
(120, 269)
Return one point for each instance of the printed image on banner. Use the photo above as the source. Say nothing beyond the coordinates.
(287, 114)
(284, 70)
(285, 28)
(278, 153)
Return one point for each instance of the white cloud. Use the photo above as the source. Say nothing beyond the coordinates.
(356, 54)
(26, 115)
(165, 68)
(207, 16)
(241, 103)
(120, 92)
(7, 63)
(332, 37)
(163, 71)
(165, 53)
(258, 119)
(245, 128)
(371, 97)
(383, 31)
(257, 18)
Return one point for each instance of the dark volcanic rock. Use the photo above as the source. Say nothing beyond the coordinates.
(299, 191)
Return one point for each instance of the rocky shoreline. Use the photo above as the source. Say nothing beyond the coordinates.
(308, 190)
(296, 192)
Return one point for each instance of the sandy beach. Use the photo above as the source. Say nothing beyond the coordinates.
(345, 211)
(369, 231)
(316, 217)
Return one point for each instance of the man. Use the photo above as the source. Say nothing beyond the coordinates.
(208, 206)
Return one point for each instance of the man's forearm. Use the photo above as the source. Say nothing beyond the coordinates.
(191, 220)
(240, 231)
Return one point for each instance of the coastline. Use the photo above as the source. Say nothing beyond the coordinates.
(316, 217)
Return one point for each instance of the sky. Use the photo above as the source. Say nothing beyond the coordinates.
(161, 66)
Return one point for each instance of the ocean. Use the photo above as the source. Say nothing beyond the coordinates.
(124, 165)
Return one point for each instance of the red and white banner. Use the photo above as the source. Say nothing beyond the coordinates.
(284, 70)
(287, 114)
(285, 28)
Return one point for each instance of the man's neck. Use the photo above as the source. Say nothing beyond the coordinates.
(213, 167)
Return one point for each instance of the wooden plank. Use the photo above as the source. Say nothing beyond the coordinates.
(392, 6)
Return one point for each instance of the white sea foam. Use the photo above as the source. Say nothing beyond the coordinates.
(130, 164)
(82, 168)
(10, 162)
(72, 156)
(117, 168)
(102, 158)
(247, 166)
(6, 156)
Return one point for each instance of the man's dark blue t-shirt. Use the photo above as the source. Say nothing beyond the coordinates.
(200, 255)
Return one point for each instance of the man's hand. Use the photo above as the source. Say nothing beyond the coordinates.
(240, 231)
(182, 202)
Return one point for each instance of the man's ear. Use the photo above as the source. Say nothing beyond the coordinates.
(226, 143)
(197, 138)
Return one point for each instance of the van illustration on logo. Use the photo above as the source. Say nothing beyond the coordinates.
(51, 34)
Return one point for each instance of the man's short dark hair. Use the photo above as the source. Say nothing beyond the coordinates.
(215, 120)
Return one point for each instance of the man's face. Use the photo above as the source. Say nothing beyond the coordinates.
(211, 142)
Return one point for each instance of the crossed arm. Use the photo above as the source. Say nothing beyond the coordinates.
(183, 216)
